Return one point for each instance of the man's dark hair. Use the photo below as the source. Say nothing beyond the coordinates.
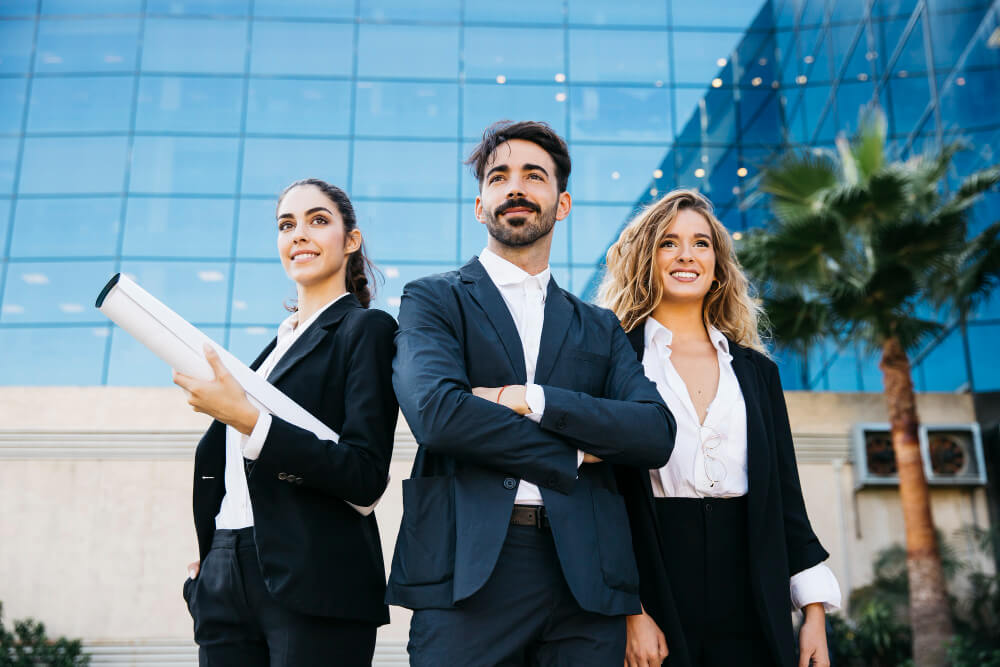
(536, 132)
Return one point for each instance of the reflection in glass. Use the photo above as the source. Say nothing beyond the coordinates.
(260, 292)
(53, 292)
(431, 51)
(271, 164)
(701, 56)
(58, 356)
(406, 109)
(189, 104)
(619, 55)
(72, 165)
(13, 92)
(196, 290)
(194, 165)
(299, 106)
(178, 226)
(75, 227)
(486, 103)
(396, 231)
(209, 45)
(419, 169)
(86, 45)
(516, 53)
(621, 114)
(131, 364)
(80, 104)
(302, 49)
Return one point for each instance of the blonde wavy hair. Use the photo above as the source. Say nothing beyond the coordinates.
(632, 287)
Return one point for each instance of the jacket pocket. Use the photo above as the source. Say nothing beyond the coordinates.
(426, 542)
(614, 541)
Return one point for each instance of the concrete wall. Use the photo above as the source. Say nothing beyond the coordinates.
(95, 498)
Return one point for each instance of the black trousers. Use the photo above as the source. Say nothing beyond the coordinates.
(525, 614)
(237, 623)
(708, 564)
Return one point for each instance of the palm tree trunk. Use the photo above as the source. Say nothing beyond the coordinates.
(929, 614)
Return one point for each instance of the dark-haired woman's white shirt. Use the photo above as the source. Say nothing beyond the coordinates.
(685, 474)
(235, 511)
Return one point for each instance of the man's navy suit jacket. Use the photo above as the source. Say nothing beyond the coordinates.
(457, 333)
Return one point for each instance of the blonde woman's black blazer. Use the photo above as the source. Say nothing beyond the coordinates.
(318, 556)
(782, 542)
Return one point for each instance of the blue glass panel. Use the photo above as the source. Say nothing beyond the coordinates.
(717, 13)
(75, 7)
(13, 93)
(982, 346)
(757, 63)
(969, 100)
(474, 235)
(196, 7)
(950, 35)
(298, 106)
(18, 8)
(532, 54)
(87, 45)
(909, 97)
(53, 292)
(815, 99)
(247, 342)
(319, 48)
(813, 12)
(944, 368)
(395, 231)
(911, 58)
(514, 11)
(406, 109)
(851, 98)
(720, 111)
(600, 12)
(303, 9)
(847, 12)
(189, 104)
(842, 373)
(66, 227)
(179, 227)
(871, 374)
(700, 56)
(787, 56)
(613, 173)
(594, 229)
(163, 165)
(619, 55)
(790, 369)
(843, 37)
(623, 114)
(893, 7)
(271, 164)
(258, 232)
(405, 169)
(196, 290)
(80, 104)
(5, 206)
(260, 292)
(73, 164)
(940, 6)
(52, 356)
(484, 104)
(131, 364)
(8, 156)
(430, 52)
(722, 182)
(209, 45)
(688, 103)
(584, 282)
(389, 294)
(426, 10)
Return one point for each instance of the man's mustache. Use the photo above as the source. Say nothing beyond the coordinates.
(517, 203)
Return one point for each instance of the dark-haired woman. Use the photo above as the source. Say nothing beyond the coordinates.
(723, 543)
(289, 572)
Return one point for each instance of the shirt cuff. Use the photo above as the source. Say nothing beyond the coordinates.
(534, 396)
(253, 443)
(815, 584)
(579, 459)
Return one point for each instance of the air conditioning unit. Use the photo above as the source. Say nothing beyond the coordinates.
(952, 455)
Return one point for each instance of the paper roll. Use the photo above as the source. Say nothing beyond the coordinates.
(181, 345)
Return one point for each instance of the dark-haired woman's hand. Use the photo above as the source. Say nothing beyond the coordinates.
(512, 396)
(222, 398)
(645, 644)
(813, 651)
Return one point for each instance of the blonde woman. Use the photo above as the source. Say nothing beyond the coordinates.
(724, 546)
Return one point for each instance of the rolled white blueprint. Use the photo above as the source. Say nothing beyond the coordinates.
(181, 345)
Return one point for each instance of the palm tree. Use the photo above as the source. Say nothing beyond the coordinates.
(856, 244)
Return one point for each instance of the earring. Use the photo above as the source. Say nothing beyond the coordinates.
(715, 285)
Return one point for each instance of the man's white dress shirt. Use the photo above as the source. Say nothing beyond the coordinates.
(686, 476)
(524, 295)
(236, 511)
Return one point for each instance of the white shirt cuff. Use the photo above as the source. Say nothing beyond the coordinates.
(534, 396)
(815, 584)
(579, 458)
(253, 443)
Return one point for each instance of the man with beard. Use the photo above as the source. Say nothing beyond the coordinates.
(514, 547)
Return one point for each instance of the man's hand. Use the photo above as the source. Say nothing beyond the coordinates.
(511, 397)
(645, 644)
(193, 569)
(812, 637)
(590, 458)
(222, 398)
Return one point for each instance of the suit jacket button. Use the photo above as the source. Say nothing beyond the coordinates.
(282, 475)
(509, 483)
(298, 480)
(291, 479)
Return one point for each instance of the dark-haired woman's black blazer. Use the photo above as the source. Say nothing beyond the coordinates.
(318, 556)
(782, 542)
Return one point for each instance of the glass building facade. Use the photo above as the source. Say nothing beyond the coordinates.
(151, 137)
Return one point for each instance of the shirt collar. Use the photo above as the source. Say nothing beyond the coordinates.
(658, 336)
(504, 273)
(291, 323)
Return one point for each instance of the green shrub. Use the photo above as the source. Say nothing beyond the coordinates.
(28, 646)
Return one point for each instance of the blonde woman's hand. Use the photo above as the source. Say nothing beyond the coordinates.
(645, 644)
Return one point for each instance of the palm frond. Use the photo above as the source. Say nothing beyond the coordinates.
(797, 321)
(979, 272)
(868, 147)
(972, 189)
(795, 182)
(804, 251)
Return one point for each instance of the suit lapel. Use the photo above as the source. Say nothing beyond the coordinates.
(263, 355)
(308, 341)
(758, 449)
(558, 314)
(486, 294)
